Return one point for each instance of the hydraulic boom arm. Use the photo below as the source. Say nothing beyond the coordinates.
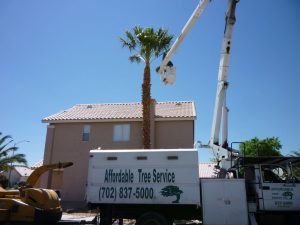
(165, 68)
(220, 150)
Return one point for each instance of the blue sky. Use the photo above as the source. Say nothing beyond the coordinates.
(55, 54)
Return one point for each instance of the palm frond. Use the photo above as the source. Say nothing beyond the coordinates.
(4, 146)
(163, 42)
(126, 44)
(131, 39)
(5, 152)
(5, 138)
(19, 158)
(137, 30)
(146, 42)
(135, 58)
(5, 159)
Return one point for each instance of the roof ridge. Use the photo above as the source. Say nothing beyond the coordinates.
(132, 103)
(124, 103)
(175, 102)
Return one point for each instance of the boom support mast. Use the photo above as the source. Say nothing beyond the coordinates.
(222, 150)
(220, 104)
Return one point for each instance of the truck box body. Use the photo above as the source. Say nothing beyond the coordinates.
(143, 177)
(227, 197)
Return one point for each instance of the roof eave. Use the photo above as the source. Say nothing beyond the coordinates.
(116, 120)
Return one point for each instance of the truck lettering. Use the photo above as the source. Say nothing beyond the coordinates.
(283, 204)
(125, 176)
(144, 177)
(128, 176)
(163, 177)
(115, 193)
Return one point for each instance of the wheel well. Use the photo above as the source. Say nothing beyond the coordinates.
(153, 218)
(134, 211)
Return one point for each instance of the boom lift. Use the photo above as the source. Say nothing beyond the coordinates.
(29, 204)
(167, 73)
(158, 186)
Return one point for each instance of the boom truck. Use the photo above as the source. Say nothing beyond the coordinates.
(159, 186)
(30, 204)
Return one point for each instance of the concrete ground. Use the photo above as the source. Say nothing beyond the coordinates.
(88, 217)
(79, 216)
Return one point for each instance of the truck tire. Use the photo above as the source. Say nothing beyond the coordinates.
(152, 218)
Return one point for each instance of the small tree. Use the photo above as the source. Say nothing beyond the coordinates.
(261, 147)
(6, 156)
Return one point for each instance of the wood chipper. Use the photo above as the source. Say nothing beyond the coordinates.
(29, 204)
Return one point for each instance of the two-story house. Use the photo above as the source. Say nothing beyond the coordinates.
(72, 133)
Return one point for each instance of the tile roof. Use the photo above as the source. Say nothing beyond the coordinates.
(24, 171)
(123, 111)
(37, 164)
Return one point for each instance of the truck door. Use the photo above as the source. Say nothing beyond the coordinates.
(279, 191)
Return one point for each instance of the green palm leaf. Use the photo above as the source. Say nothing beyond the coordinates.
(7, 158)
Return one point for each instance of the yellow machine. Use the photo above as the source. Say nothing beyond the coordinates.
(29, 204)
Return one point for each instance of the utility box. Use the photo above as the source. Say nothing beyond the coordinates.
(143, 177)
(224, 201)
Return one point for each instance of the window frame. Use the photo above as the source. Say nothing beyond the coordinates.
(272, 174)
(86, 135)
(121, 132)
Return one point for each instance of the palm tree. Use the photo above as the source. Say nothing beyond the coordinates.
(6, 159)
(146, 45)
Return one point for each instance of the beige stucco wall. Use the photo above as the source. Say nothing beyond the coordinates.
(174, 134)
(64, 143)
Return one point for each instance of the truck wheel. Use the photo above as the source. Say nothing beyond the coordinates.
(152, 218)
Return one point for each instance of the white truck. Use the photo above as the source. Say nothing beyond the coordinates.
(159, 186)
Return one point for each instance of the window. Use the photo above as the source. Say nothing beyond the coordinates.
(274, 174)
(121, 132)
(86, 133)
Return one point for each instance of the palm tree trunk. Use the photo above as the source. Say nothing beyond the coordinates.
(146, 102)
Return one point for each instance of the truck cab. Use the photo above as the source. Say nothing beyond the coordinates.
(270, 182)
(280, 191)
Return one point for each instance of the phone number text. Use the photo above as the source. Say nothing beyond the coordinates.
(125, 193)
